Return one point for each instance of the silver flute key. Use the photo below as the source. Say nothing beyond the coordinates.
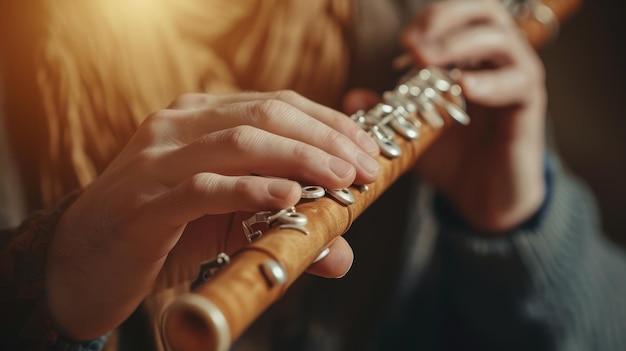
(405, 111)
(313, 192)
(287, 216)
(404, 124)
(274, 272)
(429, 112)
(394, 98)
(343, 196)
(457, 113)
(388, 147)
(437, 78)
(209, 268)
(382, 134)
(395, 117)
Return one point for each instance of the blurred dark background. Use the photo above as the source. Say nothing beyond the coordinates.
(586, 81)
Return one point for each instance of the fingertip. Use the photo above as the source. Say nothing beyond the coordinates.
(347, 267)
(337, 262)
(285, 190)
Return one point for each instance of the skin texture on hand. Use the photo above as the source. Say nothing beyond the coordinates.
(492, 170)
(173, 193)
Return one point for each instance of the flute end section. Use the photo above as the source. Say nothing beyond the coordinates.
(193, 323)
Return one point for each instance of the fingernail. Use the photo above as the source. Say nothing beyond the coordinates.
(366, 143)
(347, 270)
(280, 189)
(340, 167)
(369, 164)
(322, 254)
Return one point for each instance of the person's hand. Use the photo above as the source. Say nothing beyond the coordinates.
(492, 170)
(175, 191)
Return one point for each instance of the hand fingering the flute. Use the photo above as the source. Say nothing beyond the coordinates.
(187, 171)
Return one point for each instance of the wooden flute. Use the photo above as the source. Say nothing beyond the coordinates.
(410, 118)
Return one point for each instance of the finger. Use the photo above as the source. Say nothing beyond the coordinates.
(247, 150)
(210, 193)
(283, 120)
(331, 131)
(324, 114)
(359, 99)
(439, 19)
(336, 263)
(331, 118)
(496, 88)
(478, 44)
(159, 222)
(442, 17)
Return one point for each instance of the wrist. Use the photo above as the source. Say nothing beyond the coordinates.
(89, 299)
(90, 289)
(501, 209)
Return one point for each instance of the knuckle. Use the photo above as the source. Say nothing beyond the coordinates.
(334, 139)
(288, 95)
(144, 161)
(239, 137)
(199, 183)
(187, 99)
(153, 125)
(157, 118)
(265, 110)
(303, 153)
(244, 187)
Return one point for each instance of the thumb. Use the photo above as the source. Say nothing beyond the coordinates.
(359, 99)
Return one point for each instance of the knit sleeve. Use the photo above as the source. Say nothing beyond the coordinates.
(24, 321)
(555, 285)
